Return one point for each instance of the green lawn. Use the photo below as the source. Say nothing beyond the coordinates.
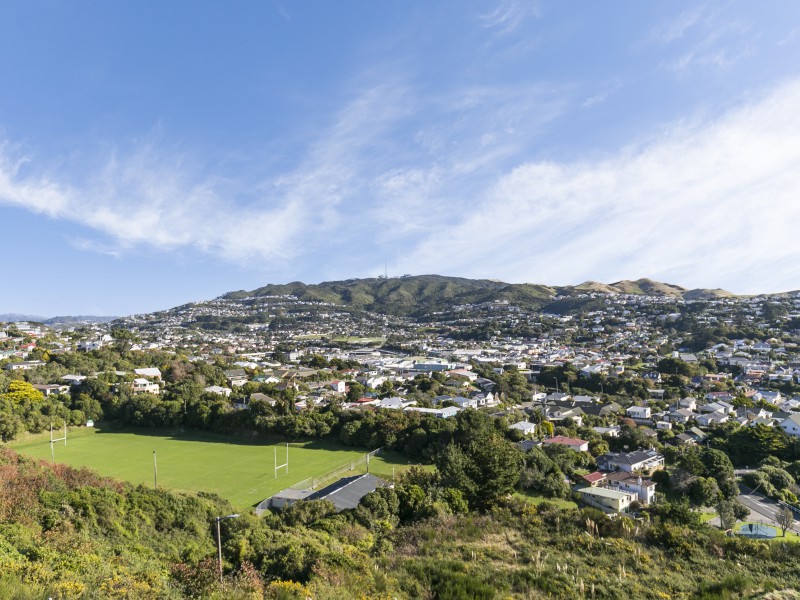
(705, 517)
(238, 470)
(534, 499)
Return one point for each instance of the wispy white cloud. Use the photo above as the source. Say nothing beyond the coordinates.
(704, 36)
(445, 183)
(603, 94)
(675, 29)
(706, 204)
(151, 195)
(508, 15)
(721, 48)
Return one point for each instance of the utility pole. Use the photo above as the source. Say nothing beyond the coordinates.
(219, 541)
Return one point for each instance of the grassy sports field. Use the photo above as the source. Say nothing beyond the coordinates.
(238, 470)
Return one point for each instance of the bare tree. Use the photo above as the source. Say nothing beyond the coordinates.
(785, 519)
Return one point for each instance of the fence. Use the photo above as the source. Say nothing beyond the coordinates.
(313, 483)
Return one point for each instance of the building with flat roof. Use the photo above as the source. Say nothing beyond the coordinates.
(609, 501)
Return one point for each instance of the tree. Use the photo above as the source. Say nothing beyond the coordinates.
(598, 447)
(355, 391)
(484, 468)
(22, 390)
(730, 511)
(785, 519)
(124, 339)
(9, 423)
(675, 366)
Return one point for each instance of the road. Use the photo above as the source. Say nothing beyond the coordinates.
(762, 507)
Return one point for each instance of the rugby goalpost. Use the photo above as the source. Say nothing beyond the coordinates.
(284, 465)
(54, 440)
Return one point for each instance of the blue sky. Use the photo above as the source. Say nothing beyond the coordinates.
(154, 153)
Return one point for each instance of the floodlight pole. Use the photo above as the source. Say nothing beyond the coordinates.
(155, 471)
(219, 541)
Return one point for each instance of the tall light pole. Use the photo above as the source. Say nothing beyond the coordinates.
(219, 541)
(155, 471)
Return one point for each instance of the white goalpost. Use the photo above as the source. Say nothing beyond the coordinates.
(284, 465)
(54, 440)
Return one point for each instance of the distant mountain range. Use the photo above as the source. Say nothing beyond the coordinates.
(65, 320)
(424, 293)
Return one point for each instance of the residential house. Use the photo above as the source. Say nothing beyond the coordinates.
(395, 403)
(442, 413)
(462, 402)
(683, 439)
(73, 379)
(216, 389)
(622, 481)
(595, 479)
(574, 443)
(791, 425)
(338, 386)
(644, 461)
(774, 398)
(606, 499)
(51, 388)
(682, 415)
(612, 431)
(236, 377)
(263, 398)
(153, 372)
(25, 365)
(714, 418)
(641, 413)
(525, 427)
(140, 385)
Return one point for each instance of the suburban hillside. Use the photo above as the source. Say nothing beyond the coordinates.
(424, 293)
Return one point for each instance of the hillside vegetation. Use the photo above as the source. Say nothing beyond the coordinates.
(67, 533)
(425, 293)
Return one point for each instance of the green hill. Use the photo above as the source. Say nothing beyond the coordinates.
(409, 295)
(406, 295)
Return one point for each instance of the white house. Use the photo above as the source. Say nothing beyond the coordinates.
(140, 385)
(638, 412)
(442, 413)
(606, 499)
(612, 431)
(644, 489)
(153, 372)
(525, 427)
(216, 389)
(712, 418)
(791, 425)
